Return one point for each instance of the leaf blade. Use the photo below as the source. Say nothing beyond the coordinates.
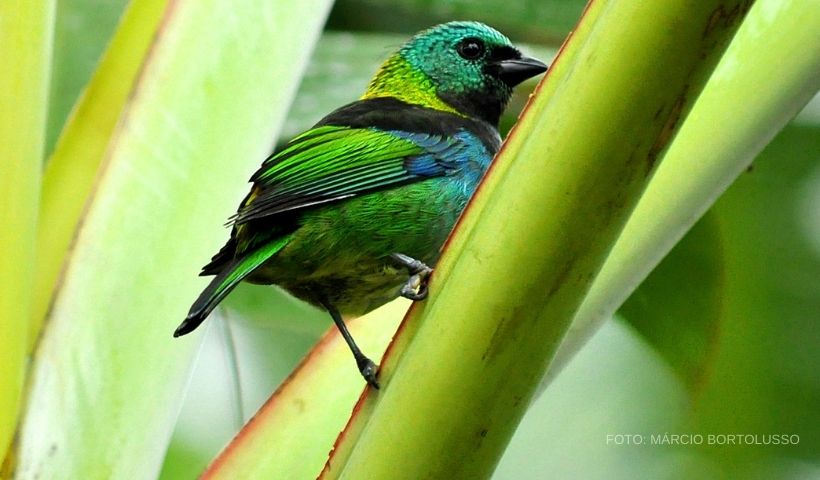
(72, 170)
(678, 308)
(108, 377)
(25, 43)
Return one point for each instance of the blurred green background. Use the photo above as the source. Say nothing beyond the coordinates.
(721, 339)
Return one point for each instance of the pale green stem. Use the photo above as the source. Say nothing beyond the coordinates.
(26, 33)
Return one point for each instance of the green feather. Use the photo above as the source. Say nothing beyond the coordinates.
(226, 281)
(325, 164)
(248, 264)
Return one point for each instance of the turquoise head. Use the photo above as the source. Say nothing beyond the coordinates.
(467, 68)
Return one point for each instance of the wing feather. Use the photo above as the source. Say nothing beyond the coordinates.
(331, 163)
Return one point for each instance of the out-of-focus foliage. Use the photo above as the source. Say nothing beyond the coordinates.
(81, 31)
(544, 21)
(26, 33)
(679, 306)
(763, 378)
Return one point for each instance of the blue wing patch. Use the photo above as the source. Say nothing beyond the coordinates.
(335, 163)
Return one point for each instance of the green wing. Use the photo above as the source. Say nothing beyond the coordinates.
(328, 164)
(331, 163)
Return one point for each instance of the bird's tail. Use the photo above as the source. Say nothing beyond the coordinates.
(224, 282)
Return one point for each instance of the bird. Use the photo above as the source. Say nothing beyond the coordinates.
(353, 212)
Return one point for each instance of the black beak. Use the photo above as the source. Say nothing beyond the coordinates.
(515, 70)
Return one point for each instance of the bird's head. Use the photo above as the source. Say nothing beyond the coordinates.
(464, 67)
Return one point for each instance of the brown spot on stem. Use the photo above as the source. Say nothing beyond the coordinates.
(725, 16)
(505, 330)
(667, 132)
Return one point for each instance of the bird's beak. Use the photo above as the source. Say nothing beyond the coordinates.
(516, 70)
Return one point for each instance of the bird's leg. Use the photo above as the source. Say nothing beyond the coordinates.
(366, 366)
(415, 288)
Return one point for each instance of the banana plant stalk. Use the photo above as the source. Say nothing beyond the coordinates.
(466, 363)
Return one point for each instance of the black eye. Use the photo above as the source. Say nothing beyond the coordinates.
(470, 48)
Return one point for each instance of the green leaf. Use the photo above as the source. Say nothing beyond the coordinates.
(678, 308)
(466, 363)
(764, 378)
(267, 335)
(211, 92)
(532, 20)
(714, 146)
(265, 308)
(338, 73)
(75, 164)
(82, 29)
(25, 47)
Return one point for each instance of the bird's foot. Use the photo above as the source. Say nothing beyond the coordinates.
(415, 288)
(368, 370)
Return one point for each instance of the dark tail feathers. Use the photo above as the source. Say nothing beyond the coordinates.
(205, 303)
(225, 282)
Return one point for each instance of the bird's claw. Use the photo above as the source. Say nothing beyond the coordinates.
(415, 288)
(368, 369)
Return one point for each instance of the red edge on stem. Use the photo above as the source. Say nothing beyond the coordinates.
(269, 408)
(363, 397)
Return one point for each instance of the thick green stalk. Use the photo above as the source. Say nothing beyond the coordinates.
(210, 95)
(467, 362)
(766, 76)
(26, 31)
